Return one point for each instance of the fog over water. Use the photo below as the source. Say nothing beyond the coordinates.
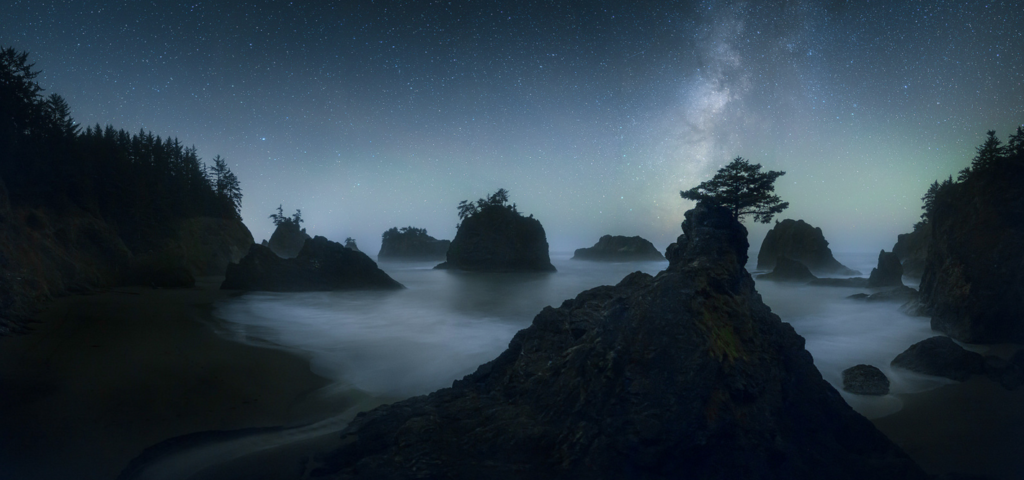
(445, 324)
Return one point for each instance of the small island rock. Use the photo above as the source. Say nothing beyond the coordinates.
(321, 265)
(411, 243)
(865, 380)
(287, 240)
(942, 357)
(799, 241)
(619, 248)
(888, 273)
(497, 238)
(788, 270)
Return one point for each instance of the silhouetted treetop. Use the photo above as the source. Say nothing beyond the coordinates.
(280, 218)
(742, 188)
(498, 199)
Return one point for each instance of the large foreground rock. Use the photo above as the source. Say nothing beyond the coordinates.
(799, 241)
(683, 375)
(321, 265)
(942, 357)
(411, 243)
(619, 248)
(499, 239)
(973, 283)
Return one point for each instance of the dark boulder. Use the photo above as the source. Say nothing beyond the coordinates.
(499, 239)
(788, 270)
(888, 273)
(942, 357)
(973, 283)
(799, 241)
(321, 265)
(912, 249)
(619, 249)
(683, 375)
(411, 243)
(865, 380)
(287, 239)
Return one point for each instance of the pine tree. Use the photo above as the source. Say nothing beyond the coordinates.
(742, 188)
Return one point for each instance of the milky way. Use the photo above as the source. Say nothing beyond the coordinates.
(373, 114)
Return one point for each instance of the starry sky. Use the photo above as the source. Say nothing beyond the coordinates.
(594, 114)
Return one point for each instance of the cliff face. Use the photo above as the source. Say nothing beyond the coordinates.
(498, 239)
(619, 249)
(411, 244)
(973, 282)
(912, 249)
(287, 240)
(799, 241)
(321, 265)
(683, 375)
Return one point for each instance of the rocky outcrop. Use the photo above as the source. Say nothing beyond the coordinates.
(287, 239)
(865, 380)
(973, 282)
(788, 270)
(942, 357)
(799, 241)
(888, 273)
(499, 239)
(619, 249)
(912, 249)
(411, 243)
(683, 375)
(321, 265)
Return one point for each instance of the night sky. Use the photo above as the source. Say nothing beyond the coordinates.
(373, 114)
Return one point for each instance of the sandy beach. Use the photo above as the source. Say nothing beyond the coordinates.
(104, 376)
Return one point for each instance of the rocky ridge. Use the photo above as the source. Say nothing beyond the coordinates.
(683, 375)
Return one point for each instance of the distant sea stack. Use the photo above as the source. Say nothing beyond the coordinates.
(495, 237)
(321, 265)
(912, 249)
(683, 375)
(619, 249)
(411, 243)
(973, 282)
(797, 240)
(287, 240)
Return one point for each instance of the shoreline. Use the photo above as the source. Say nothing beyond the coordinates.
(101, 377)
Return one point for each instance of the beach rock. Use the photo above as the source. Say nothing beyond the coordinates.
(683, 375)
(973, 282)
(854, 282)
(912, 249)
(499, 239)
(941, 356)
(799, 241)
(619, 249)
(788, 270)
(411, 243)
(888, 273)
(321, 265)
(287, 239)
(865, 380)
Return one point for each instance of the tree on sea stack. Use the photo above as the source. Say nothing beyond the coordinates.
(742, 188)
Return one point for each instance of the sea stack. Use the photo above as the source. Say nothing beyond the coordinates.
(287, 239)
(686, 374)
(619, 248)
(495, 237)
(797, 240)
(411, 243)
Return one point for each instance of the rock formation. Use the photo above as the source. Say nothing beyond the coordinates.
(865, 380)
(287, 239)
(799, 241)
(499, 239)
(888, 273)
(788, 270)
(973, 282)
(912, 249)
(683, 375)
(942, 357)
(619, 249)
(411, 243)
(321, 265)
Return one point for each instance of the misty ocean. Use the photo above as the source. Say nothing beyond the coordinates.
(393, 345)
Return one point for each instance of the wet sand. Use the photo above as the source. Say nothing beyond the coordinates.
(102, 377)
(975, 427)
